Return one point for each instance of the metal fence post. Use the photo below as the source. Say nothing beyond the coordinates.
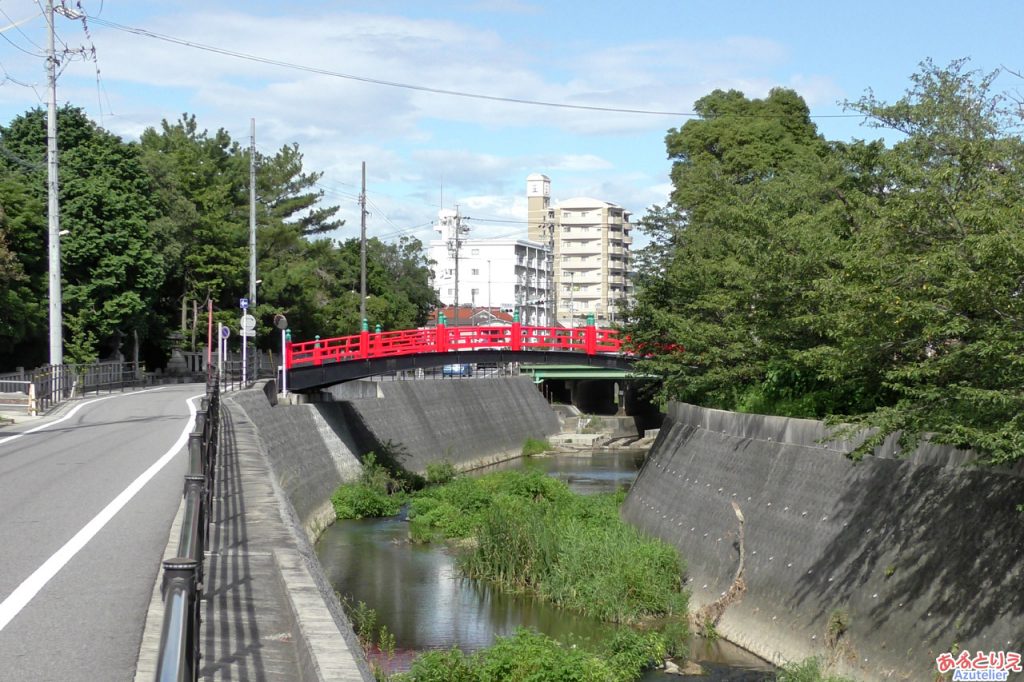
(179, 640)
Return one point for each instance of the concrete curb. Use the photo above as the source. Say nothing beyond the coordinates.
(321, 653)
(149, 648)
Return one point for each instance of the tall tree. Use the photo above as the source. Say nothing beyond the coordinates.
(109, 269)
(23, 273)
(200, 189)
(754, 216)
(930, 297)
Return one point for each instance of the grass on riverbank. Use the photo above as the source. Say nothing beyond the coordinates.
(530, 655)
(531, 534)
(535, 446)
(376, 493)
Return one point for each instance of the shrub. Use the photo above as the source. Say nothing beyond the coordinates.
(535, 446)
(629, 652)
(371, 496)
(439, 666)
(439, 473)
(528, 655)
(358, 501)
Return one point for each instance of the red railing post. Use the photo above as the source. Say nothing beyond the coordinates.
(517, 332)
(590, 336)
(441, 334)
(364, 340)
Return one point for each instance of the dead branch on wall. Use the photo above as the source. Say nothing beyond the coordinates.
(706, 618)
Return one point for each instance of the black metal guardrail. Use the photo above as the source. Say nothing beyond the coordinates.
(183, 581)
(48, 386)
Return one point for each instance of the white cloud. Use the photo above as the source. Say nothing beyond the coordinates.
(411, 140)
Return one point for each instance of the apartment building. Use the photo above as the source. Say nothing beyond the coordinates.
(591, 247)
(508, 274)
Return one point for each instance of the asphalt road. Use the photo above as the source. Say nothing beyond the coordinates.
(79, 615)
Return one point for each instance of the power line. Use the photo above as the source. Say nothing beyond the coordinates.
(19, 47)
(9, 78)
(17, 25)
(409, 86)
(497, 220)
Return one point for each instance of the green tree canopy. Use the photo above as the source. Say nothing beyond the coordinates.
(109, 269)
(928, 299)
(879, 285)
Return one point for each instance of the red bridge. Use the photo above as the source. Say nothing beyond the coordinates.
(323, 362)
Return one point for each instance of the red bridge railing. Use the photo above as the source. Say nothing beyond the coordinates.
(441, 339)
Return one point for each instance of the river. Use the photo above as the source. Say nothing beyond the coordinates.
(418, 594)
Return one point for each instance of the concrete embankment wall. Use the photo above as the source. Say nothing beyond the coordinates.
(308, 457)
(921, 555)
(287, 453)
(469, 422)
(310, 449)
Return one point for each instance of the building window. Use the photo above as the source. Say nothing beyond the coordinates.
(474, 292)
(474, 252)
(450, 291)
(476, 271)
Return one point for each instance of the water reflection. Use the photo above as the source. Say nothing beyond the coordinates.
(418, 594)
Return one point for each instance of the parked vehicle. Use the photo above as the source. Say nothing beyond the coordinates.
(463, 370)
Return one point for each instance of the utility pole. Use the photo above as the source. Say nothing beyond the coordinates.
(550, 300)
(454, 244)
(572, 304)
(362, 249)
(56, 320)
(252, 212)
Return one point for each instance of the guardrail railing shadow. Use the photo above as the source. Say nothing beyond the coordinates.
(183, 581)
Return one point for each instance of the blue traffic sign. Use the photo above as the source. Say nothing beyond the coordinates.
(243, 303)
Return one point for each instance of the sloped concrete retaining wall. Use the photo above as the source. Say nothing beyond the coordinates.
(469, 422)
(305, 452)
(920, 554)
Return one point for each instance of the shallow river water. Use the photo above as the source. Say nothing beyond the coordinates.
(417, 591)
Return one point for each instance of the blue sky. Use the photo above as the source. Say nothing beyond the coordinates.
(659, 55)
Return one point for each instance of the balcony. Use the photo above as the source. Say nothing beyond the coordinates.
(592, 246)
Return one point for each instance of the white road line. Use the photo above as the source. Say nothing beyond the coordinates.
(26, 591)
(72, 413)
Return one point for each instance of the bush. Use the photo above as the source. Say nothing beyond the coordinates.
(439, 666)
(376, 493)
(629, 652)
(359, 501)
(535, 446)
(529, 655)
(439, 473)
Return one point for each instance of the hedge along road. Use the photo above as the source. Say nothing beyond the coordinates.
(86, 504)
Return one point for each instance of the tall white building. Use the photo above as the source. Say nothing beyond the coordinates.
(590, 241)
(511, 274)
